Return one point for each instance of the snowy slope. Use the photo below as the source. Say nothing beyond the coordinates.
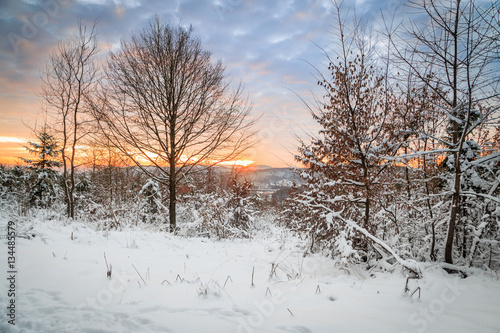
(202, 285)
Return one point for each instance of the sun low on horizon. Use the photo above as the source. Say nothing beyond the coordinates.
(13, 150)
(243, 163)
(263, 57)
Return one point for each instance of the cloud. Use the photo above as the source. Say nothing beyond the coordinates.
(10, 139)
(265, 44)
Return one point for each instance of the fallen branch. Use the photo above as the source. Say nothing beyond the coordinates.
(409, 265)
(450, 268)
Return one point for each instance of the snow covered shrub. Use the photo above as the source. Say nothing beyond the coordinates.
(43, 191)
(109, 196)
(215, 215)
(302, 217)
(240, 203)
(15, 186)
(151, 205)
(224, 212)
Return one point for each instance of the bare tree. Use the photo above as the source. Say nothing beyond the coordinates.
(70, 74)
(169, 108)
(454, 52)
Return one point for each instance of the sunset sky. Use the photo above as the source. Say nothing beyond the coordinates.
(267, 45)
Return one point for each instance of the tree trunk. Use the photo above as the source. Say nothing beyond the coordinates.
(433, 244)
(72, 191)
(172, 200)
(429, 206)
(407, 176)
(367, 213)
(65, 184)
(455, 203)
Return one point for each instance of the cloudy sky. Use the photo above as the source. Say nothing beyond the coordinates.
(269, 46)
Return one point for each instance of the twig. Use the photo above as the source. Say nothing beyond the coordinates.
(300, 282)
(216, 284)
(418, 288)
(108, 268)
(228, 278)
(268, 291)
(318, 290)
(406, 286)
(139, 274)
(23, 236)
(253, 271)
(166, 282)
(179, 278)
(290, 312)
(273, 270)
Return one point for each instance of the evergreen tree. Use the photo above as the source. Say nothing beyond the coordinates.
(43, 190)
(46, 149)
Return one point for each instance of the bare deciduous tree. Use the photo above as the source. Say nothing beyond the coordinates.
(70, 74)
(169, 108)
(454, 52)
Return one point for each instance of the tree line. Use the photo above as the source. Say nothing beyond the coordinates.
(160, 104)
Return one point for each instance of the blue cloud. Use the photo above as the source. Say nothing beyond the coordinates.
(265, 44)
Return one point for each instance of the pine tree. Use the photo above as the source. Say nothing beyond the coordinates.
(43, 189)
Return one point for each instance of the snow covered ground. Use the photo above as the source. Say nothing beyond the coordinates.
(202, 285)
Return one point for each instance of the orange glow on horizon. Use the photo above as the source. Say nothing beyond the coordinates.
(243, 163)
(12, 148)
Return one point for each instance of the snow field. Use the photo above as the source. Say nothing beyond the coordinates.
(203, 285)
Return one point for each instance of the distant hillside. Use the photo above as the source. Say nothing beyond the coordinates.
(266, 176)
(273, 177)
